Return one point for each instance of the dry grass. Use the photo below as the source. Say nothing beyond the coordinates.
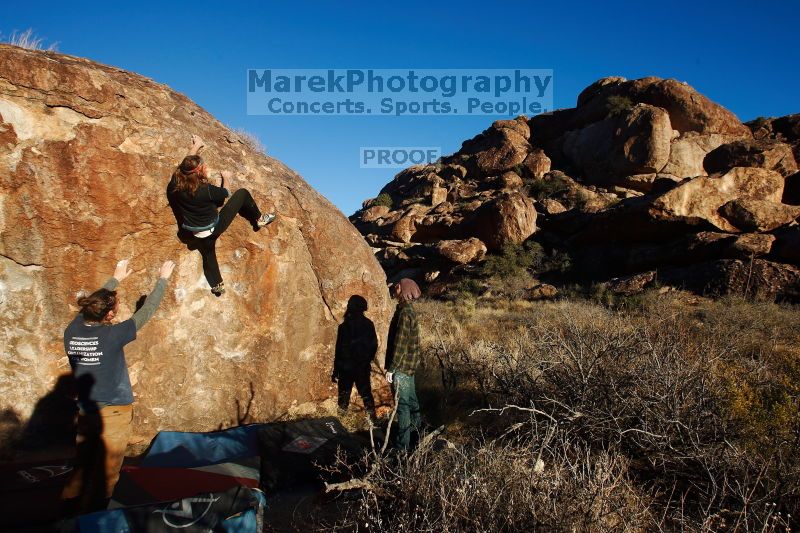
(27, 39)
(251, 140)
(675, 413)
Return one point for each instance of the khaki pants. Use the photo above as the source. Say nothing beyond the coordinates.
(101, 443)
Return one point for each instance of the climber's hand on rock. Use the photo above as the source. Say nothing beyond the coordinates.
(197, 145)
(166, 269)
(122, 271)
(389, 377)
(227, 179)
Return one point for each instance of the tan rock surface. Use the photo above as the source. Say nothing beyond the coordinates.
(462, 251)
(542, 291)
(438, 195)
(86, 151)
(637, 142)
(769, 154)
(752, 214)
(700, 199)
(371, 214)
(510, 218)
(500, 147)
(537, 163)
(552, 207)
(688, 152)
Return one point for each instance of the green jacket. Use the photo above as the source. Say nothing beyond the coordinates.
(404, 353)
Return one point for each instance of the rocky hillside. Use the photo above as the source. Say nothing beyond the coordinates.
(644, 181)
(86, 152)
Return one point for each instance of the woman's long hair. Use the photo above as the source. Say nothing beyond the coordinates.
(96, 306)
(189, 176)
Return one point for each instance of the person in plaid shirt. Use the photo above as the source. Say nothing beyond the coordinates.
(403, 359)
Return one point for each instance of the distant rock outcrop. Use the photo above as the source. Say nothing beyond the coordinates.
(644, 178)
(86, 151)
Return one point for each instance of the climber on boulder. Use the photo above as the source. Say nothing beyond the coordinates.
(197, 200)
(94, 346)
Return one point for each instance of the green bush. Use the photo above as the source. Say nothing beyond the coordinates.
(617, 105)
(547, 187)
(513, 260)
(384, 199)
(469, 287)
(517, 259)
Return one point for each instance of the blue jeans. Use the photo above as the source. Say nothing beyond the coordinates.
(408, 415)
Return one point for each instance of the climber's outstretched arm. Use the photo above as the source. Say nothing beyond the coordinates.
(151, 303)
(197, 145)
(120, 273)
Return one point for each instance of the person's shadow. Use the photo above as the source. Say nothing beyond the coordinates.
(86, 489)
(356, 345)
(52, 422)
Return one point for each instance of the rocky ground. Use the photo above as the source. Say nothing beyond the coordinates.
(644, 182)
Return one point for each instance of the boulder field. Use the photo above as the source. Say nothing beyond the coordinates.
(86, 152)
(644, 179)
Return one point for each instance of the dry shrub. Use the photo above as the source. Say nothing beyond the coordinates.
(703, 400)
(251, 140)
(676, 413)
(512, 484)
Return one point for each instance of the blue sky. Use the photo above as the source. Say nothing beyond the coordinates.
(740, 54)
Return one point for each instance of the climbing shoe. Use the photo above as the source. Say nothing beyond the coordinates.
(263, 220)
(218, 290)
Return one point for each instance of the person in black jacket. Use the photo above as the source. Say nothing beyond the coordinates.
(356, 345)
(196, 201)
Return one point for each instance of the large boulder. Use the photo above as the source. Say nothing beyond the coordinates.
(753, 214)
(536, 164)
(415, 181)
(501, 147)
(698, 200)
(689, 111)
(462, 251)
(688, 153)
(636, 141)
(86, 151)
(582, 136)
(508, 219)
(769, 154)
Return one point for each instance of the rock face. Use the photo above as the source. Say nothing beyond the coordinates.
(772, 155)
(86, 152)
(751, 214)
(635, 141)
(509, 219)
(462, 252)
(643, 180)
(700, 199)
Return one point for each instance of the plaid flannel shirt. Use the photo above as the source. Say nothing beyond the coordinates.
(406, 353)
